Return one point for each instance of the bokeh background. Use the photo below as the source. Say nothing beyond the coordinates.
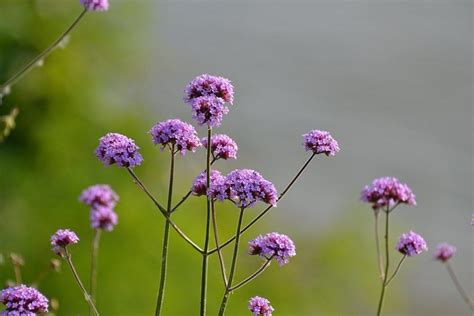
(392, 81)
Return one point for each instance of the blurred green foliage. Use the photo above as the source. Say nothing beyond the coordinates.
(65, 106)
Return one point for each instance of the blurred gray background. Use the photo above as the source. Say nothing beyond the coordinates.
(392, 81)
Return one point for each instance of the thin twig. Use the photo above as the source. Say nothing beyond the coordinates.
(253, 275)
(396, 270)
(458, 285)
(377, 244)
(216, 238)
(94, 259)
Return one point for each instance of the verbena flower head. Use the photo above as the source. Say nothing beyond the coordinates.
(22, 300)
(103, 218)
(175, 133)
(118, 149)
(320, 142)
(95, 5)
(222, 146)
(411, 244)
(99, 195)
(260, 306)
(275, 245)
(207, 85)
(199, 186)
(245, 187)
(209, 110)
(387, 191)
(63, 238)
(444, 251)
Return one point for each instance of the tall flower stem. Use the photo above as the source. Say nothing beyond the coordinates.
(387, 265)
(377, 244)
(163, 211)
(87, 297)
(17, 76)
(265, 211)
(216, 239)
(228, 290)
(253, 276)
(205, 254)
(458, 285)
(164, 253)
(399, 265)
(94, 259)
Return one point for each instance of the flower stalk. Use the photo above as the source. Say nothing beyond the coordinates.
(94, 261)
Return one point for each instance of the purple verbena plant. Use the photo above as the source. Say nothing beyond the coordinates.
(207, 96)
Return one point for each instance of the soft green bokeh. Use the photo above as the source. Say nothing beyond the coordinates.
(80, 94)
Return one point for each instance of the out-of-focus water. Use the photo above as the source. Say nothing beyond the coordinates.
(392, 80)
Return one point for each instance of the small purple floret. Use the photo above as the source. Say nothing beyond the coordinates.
(95, 5)
(209, 110)
(103, 218)
(275, 245)
(245, 187)
(222, 147)
(63, 238)
(320, 142)
(389, 192)
(444, 252)
(99, 195)
(177, 133)
(118, 149)
(411, 244)
(208, 85)
(22, 300)
(260, 306)
(199, 186)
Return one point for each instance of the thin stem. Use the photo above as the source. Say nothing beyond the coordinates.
(458, 285)
(265, 211)
(216, 238)
(253, 275)
(396, 270)
(187, 195)
(17, 270)
(387, 265)
(205, 255)
(94, 259)
(225, 299)
(164, 253)
(17, 76)
(377, 244)
(163, 211)
(87, 297)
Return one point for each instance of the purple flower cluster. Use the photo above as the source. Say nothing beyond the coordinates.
(103, 218)
(63, 238)
(320, 142)
(199, 186)
(99, 195)
(387, 192)
(444, 252)
(273, 245)
(411, 244)
(222, 147)
(260, 306)
(95, 5)
(118, 149)
(22, 300)
(175, 133)
(207, 96)
(245, 187)
(102, 200)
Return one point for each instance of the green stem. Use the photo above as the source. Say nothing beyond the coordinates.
(216, 239)
(164, 253)
(163, 211)
(17, 76)
(377, 244)
(458, 285)
(387, 264)
(228, 291)
(94, 258)
(253, 275)
(265, 211)
(399, 265)
(205, 255)
(87, 297)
